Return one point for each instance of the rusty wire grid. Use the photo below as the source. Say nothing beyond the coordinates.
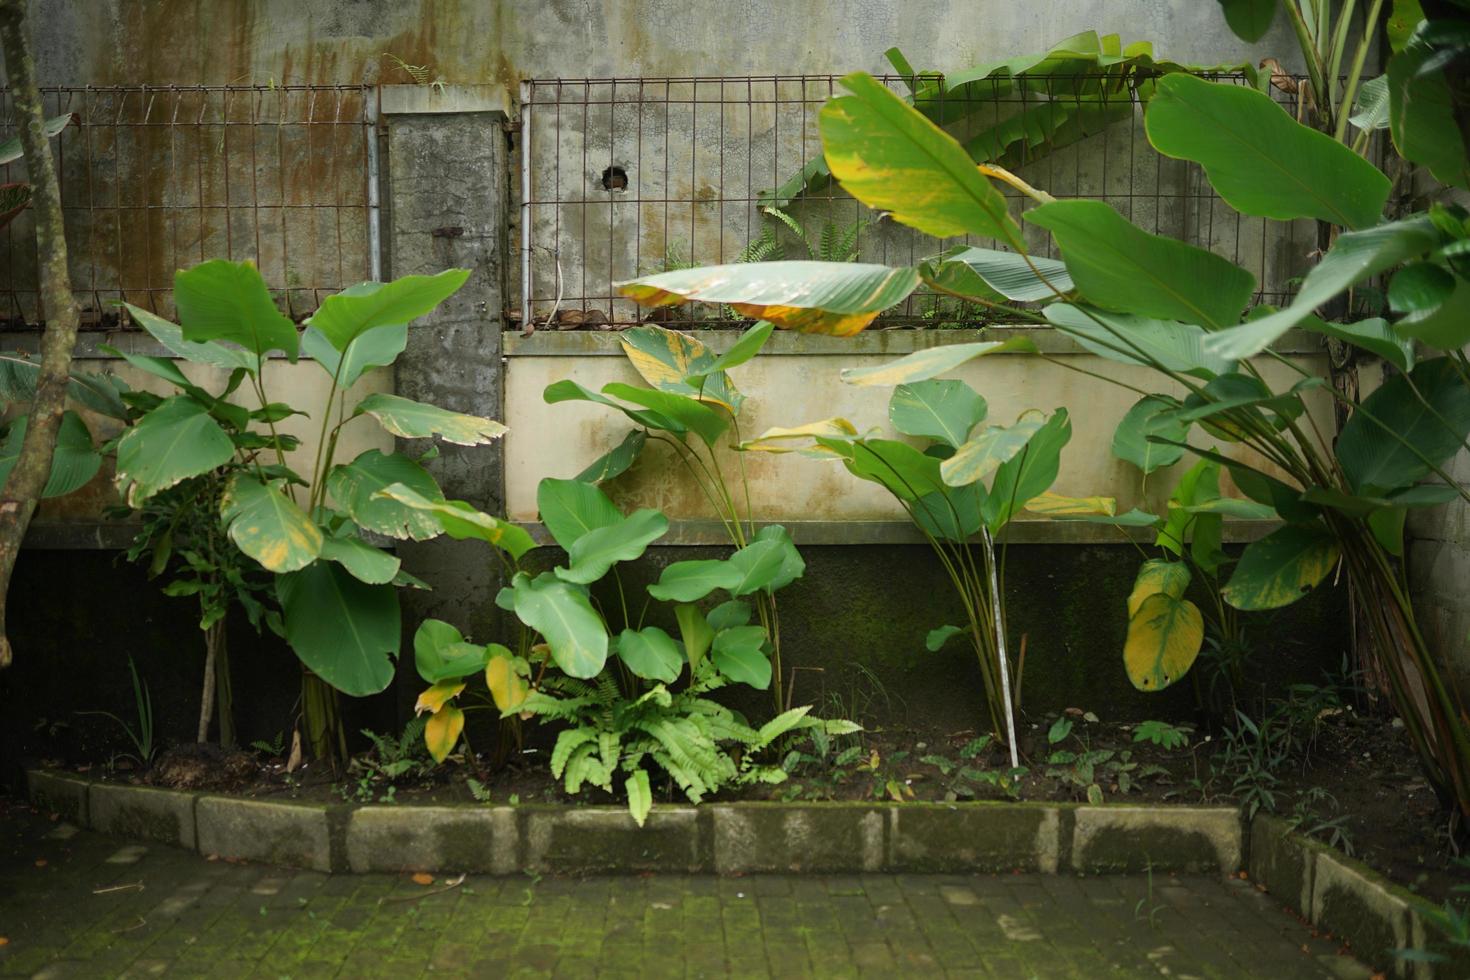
(158, 178)
(628, 177)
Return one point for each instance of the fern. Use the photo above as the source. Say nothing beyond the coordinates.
(566, 744)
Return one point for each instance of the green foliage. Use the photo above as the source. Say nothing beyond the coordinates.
(1163, 734)
(141, 737)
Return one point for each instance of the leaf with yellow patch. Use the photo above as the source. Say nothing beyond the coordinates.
(434, 698)
(507, 686)
(1056, 505)
(1164, 638)
(1157, 576)
(267, 526)
(795, 438)
(925, 364)
(443, 730)
(666, 359)
(409, 419)
(1282, 567)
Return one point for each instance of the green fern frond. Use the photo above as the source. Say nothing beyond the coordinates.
(566, 744)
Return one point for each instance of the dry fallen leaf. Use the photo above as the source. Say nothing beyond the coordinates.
(4, 941)
(40, 862)
(294, 762)
(423, 879)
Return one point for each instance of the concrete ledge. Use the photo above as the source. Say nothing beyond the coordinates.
(162, 815)
(1112, 839)
(402, 100)
(945, 837)
(602, 840)
(291, 834)
(482, 840)
(63, 795)
(778, 837)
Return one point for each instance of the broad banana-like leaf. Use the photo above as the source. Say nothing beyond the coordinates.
(925, 364)
(677, 363)
(73, 464)
(889, 156)
(748, 570)
(953, 514)
(442, 731)
(945, 411)
(1118, 266)
(983, 455)
(266, 525)
(10, 150)
(1151, 415)
(739, 654)
(1164, 638)
(696, 633)
(366, 563)
(223, 300)
(1157, 576)
(438, 695)
(729, 614)
(571, 509)
(988, 274)
(896, 466)
(378, 347)
(1354, 257)
(1281, 567)
(345, 631)
(1445, 326)
(100, 392)
(460, 520)
(1423, 118)
(799, 438)
(838, 298)
(615, 462)
(357, 487)
(347, 315)
(175, 441)
(1181, 347)
(1029, 474)
(1057, 505)
(440, 653)
(1200, 483)
(1397, 435)
(1246, 510)
(651, 654)
(416, 420)
(793, 566)
(568, 390)
(593, 553)
(171, 336)
(508, 687)
(1226, 400)
(1373, 335)
(561, 613)
(691, 415)
(1260, 160)
(1249, 20)
(740, 352)
(1371, 111)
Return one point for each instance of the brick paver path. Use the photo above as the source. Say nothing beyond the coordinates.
(74, 903)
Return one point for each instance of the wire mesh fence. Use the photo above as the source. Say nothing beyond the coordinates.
(627, 177)
(154, 179)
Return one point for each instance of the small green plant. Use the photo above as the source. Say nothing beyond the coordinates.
(393, 760)
(1147, 904)
(275, 748)
(1163, 734)
(142, 737)
(478, 790)
(834, 243)
(1305, 819)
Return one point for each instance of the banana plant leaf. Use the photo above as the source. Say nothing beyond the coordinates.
(593, 553)
(461, 521)
(1128, 339)
(266, 525)
(357, 488)
(11, 151)
(1406, 427)
(345, 316)
(562, 614)
(679, 364)
(173, 442)
(74, 463)
(409, 419)
(985, 274)
(942, 410)
(1281, 567)
(223, 300)
(346, 631)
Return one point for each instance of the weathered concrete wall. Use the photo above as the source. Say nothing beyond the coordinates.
(1439, 574)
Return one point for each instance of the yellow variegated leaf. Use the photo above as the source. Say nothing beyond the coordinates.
(435, 697)
(1155, 577)
(443, 730)
(666, 359)
(791, 439)
(1058, 505)
(1164, 638)
(268, 526)
(507, 687)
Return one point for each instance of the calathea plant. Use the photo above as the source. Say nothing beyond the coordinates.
(336, 589)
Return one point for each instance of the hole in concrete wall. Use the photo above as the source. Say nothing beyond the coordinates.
(614, 179)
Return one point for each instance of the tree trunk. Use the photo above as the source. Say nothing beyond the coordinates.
(23, 488)
(224, 692)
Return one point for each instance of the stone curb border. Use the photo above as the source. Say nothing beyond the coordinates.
(1336, 894)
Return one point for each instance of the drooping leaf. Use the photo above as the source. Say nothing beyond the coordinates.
(1028, 474)
(889, 156)
(798, 438)
(508, 689)
(99, 391)
(171, 336)
(937, 638)
(73, 463)
(440, 653)
(691, 415)
(668, 359)
(615, 461)
(592, 554)
(344, 630)
(793, 566)
(571, 508)
(461, 521)
(379, 347)
(1373, 335)
(1419, 286)
(689, 581)
(761, 563)
(175, 441)
(1058, 505)
(984, 454)
(1157, 576)
(739, 655)
(1393, 438)
(345, 316)
(442, 731)
(925, 364)
(1423, 116)
(1372, 109)
(266, 525)
(1281, 567)
(896, 466)
(985, 273)
(438, 695)
(1200, 483)
(561, 613)
(1164, 638)
(695, 632)
(941, 410)
(1131, 339)
(357, 488)
(366, 563)
(651, 654)
(568, 390)
(11, 151)
(416, 420)
(1151, 415)
(952, 514)
(1118, 266)
(1445, 326)
(1258, 158)
(223, 300)
(838, 298)
(1249, 20)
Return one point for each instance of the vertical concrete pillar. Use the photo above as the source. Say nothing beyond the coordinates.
(1439, 575)
(447, 204)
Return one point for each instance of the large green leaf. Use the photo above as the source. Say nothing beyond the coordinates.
(357, 488)
(175, 441)
(1164, 638)
(1281, 567)
(1258, 158)
(615, 461)
(266, 525)
(793, 566)
(1151, 415)
(839, 298)
(1119, 266)
(755, 567)
(692, 415)
(73, 463)
(11, 151)
(984, 454)
(942, 410)
(344, 630)
(171, 336)
(1249, 20)
(925, 364)
(1393, 439)
(1423, 117)
(953, 514)
(887, 155)
(1028, 474)
(366, 563)
(462, 521)
(1199, 484)
(695, 632)
(98, 391)
(740, 655)
(1354, 257)
(1130, 339)
(592, 554)
(571, 508)
(668, 360)
(903, 470)
(409, 419)
(375, 348)
(568, 390)
(223, 300)
(440, 653)
(347, 315)
(561, 613)
(988, 274)
(1373, 335)
(1445, 326)
(743, 350)
(651, 654)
